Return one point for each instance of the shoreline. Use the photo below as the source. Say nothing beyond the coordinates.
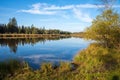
(7, 36)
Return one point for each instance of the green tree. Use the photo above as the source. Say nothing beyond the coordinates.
(33, 29)
(12, 25)
(23, 29)
(19, 29)
(105, 29)
(1, 28)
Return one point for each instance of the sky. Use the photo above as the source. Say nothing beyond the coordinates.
(67, 15)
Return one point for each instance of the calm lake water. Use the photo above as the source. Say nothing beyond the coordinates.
(36, 51)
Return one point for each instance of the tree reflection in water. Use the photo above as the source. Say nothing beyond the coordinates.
(13, 43)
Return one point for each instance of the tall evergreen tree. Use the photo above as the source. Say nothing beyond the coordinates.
(12, 25)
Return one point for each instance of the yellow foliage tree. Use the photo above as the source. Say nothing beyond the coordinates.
(105, 29)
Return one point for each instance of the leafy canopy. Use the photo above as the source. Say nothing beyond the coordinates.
(105, 29)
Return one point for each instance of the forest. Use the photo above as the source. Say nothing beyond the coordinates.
(12, 27)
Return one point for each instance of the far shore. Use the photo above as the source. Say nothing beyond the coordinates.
(33, 35)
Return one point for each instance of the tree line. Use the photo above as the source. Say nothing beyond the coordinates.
(12, 27)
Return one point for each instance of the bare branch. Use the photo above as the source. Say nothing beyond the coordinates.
(107, 4)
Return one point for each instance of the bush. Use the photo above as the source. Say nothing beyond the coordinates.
(99, 63)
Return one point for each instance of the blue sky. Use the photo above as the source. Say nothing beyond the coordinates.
(68, 15)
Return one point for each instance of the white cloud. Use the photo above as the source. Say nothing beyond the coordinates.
(43, 8)
(38, 9)
(94, 6)
(62, 11)
(88, 6)
(53, 7)
(36, 6)
(39, 56)
(34, 11)
(57, 60)
(82, 16)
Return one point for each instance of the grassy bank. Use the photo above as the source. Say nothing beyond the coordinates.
(32, 35)
(93, 63)
(78, 35)
(99, 63)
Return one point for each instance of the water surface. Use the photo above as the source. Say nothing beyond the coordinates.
(36, 51)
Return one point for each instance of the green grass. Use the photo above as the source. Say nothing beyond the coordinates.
(92, 63)
(10, 67)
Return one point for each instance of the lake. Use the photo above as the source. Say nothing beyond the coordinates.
(36, 51)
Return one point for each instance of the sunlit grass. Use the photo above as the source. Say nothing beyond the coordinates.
(99, 63)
